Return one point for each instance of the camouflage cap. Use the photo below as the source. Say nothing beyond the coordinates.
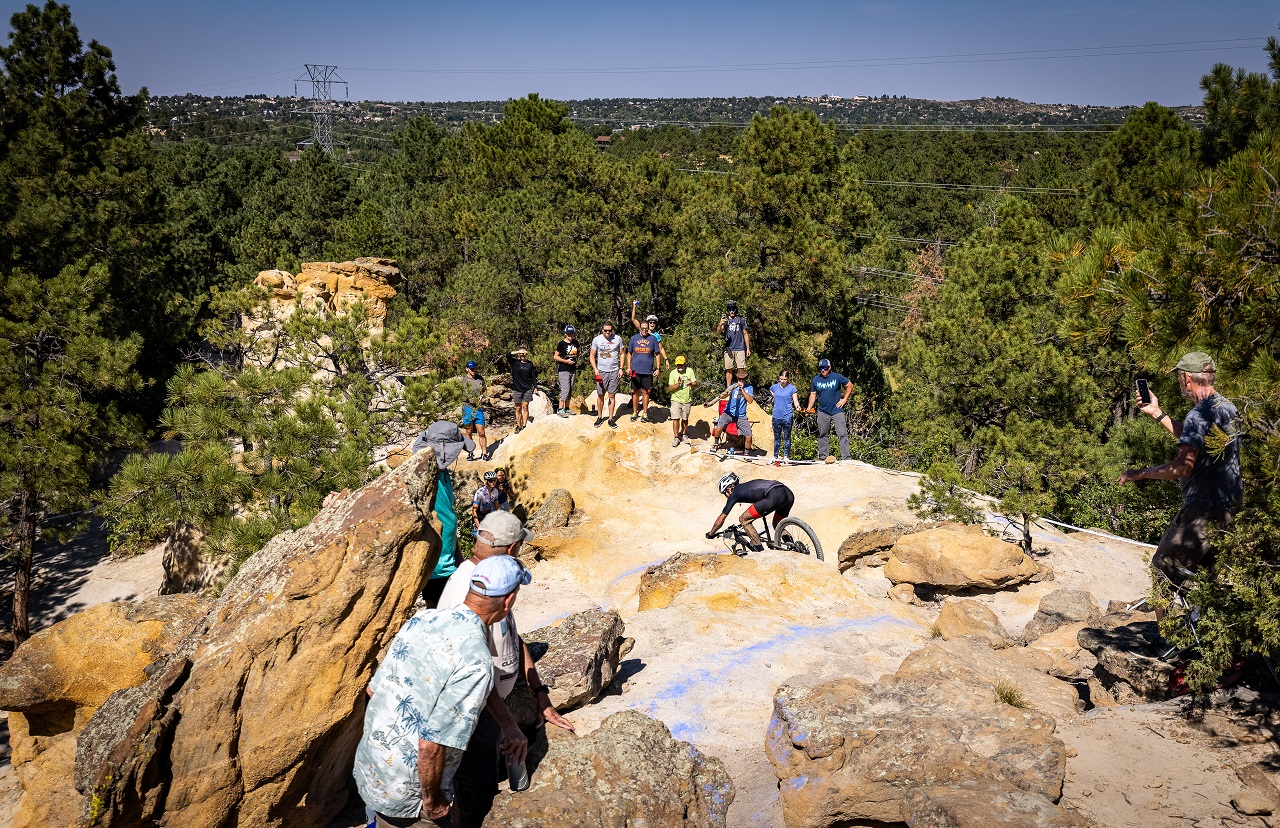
(1196, 362)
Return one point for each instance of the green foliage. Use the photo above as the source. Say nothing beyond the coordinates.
(300, 413)
(942, 496)
(1240, 104)
(74, 283)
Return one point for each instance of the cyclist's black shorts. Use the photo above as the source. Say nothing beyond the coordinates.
(778, 502)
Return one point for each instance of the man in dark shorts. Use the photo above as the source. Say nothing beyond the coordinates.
(644, 359)
(1210, 480)
(524, 381)
(566, 359)
(606, 361)
(765, 496)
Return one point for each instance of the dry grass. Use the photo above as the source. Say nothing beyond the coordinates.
(1009, 693)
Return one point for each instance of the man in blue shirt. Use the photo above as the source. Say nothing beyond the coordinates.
(827, 388)
(644, 359)
(739, 394)
(737, 342)
(1211, 485)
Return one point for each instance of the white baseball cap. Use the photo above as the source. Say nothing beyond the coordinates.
(498, 576)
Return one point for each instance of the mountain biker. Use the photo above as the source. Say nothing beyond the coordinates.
(765, 497)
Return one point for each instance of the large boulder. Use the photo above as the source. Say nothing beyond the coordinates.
(662, 582)
(956, 557)
(628, 772)
(578, 656)
(1062, 606)
(59, 678)
(1131, 666)
(554, 513)
(968, 617)
(987, 804)
(255, 715)
(846, 752)
(870, 547)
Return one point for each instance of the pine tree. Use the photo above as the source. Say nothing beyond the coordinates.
(70, 157)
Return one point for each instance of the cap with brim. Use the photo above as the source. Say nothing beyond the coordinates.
(1196, 362)
(679, 360)
(505, 528)
(824, 364)
(498, 576)
(570, 329)
(741, 374)
(471, 363)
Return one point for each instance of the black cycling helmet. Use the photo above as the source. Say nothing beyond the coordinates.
(727, 482)
(732, 305)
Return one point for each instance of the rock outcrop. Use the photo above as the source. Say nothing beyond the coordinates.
(662, 582)
(59, 678)
(332, 287)
(957, 557)
(1130, 664)
(941, 730)
(628, 772)
(578, 656)
(1062, 606)
(186, 569)
(554, 513)
(255, 712)
(870, 547)
(968, 617)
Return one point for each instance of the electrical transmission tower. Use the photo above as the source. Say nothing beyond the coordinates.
(321, 110)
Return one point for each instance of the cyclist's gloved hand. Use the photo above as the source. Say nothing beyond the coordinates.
(711, 535)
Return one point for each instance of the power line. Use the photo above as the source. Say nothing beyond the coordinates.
(981, 187)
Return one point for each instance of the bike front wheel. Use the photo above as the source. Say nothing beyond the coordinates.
(794, 535)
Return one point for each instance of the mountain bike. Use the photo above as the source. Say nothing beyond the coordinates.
(791, 535)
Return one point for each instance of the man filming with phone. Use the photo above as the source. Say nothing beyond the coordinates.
(1210, 479)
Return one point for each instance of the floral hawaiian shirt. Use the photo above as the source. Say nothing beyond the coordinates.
(432, 685)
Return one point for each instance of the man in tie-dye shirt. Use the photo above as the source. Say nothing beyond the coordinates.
(425, 699)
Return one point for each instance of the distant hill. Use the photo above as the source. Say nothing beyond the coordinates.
(271, 119)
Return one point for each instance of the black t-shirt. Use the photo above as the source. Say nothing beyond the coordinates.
(753, 491)
(524, 375)
(567, 350)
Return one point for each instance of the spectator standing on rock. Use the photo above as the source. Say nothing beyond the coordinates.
(681, 384)
(488, 498)
(739, 394)
(606, 361)
(425, 700)
(652, 319)
(737, 342)
(786, 401)
(497, 733)
(566, 358)
(448, 442)
(826, 388)
(644, 360)
(524, 381)
(472, 413)
(1210, 479)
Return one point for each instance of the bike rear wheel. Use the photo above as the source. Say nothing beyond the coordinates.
(794, 535)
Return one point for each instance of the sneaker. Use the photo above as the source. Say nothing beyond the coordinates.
(643, 418)
(635, 417)
(613, 424)
(675, 443)
(487, 456)
(599, 422)
(471, 456)
(564, 412)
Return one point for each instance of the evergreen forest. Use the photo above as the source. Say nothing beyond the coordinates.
(992, 294)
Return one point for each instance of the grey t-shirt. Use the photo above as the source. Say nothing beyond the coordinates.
(473, 389)
(1215, 478)
(608, 352)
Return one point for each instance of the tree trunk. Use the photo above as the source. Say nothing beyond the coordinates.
(1026, 533)
(27, 516)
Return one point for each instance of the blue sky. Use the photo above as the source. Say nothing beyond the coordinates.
(570, 49)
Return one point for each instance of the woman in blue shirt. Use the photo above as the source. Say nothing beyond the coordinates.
(786, 401)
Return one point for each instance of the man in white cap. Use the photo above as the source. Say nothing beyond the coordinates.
(425, 699)
(501, 534)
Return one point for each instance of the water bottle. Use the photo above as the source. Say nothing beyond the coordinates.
(517, 776)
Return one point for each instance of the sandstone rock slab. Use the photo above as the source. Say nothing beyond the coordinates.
(870, 547)
(846, 751)
(957, 557)
(968, 617)
(258, 711)
(662, 582)
(554, 513)
(630, 771)
(57, 679)
(1130, 655)
(1062, 606)
(578, 657)
(987, 804)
